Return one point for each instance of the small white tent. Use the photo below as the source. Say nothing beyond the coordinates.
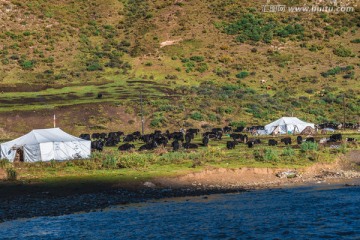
(286, 125)
(46, 145)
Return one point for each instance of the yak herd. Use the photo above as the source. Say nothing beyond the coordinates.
(183, 139)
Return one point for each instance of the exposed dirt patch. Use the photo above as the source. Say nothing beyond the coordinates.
(354, 156)
(74, 119)
(23, 87)
(261, 177)
(169, 43)
(2, 174)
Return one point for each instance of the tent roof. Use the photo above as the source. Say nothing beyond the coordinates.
(286, 124)
(43, 135)
(287, 121)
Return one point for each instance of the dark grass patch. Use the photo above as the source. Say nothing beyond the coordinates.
(89, 94)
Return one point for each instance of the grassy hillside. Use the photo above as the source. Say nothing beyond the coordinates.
(196, 62)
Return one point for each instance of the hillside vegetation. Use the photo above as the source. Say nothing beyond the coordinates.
(197, 63)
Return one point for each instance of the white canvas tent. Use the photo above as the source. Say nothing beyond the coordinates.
(45, 145)
(286, 125)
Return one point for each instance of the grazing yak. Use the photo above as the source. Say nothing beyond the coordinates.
(189, 137)
(212, 135)
(179, 136)
(194, 131)
(190, 145)
(95, 135)
(239, 137)
(351, 139)
(205, 141)
(310, 139)
(335, 137)
(215, 130)
(161, 141)
(286, 140)
(126, 147)
(250, 144)
(256, 141)
(97, 145)
(175, 145)
(239, 129)
(230, 144)
(272, 142)
(149, 146)
(85, 136)
(299, 139)
(227, 129)
(129, 138)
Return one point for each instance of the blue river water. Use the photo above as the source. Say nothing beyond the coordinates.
(310, 212)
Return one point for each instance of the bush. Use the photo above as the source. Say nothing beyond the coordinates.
(11, 174)
(255, 28)
(197, 58)
(197, 116)
(3, 163)
(202, 67)
(136, 160)
(110, 162)
(288, 151)
(336, 70)
(27, 64)
(357, 40)
(270, 155)
(308, 146)
(243, 74)
(341, 51)
(94, 66)
(343, 148)
(212, 117)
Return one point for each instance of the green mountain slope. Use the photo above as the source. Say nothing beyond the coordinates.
(196, 62)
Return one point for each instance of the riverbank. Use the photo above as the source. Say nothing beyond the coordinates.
(24, 200)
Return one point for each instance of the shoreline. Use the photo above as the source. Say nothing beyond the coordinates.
(60, 201)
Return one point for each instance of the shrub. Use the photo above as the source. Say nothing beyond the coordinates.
(94, 66)
(197, 58)
(202, 67)
(228, 110)
(341, 51)
(11, 174)
(270, 155)
(197, 116)
(336, 70)
(136, 160)
(27, 64)
(308, 146)
(288, 151)
(255, 28)
(3, 163)
(110, 162)
(357, 40)
(243, 74)
(5, 61)
(258, 155)
(212, 117)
